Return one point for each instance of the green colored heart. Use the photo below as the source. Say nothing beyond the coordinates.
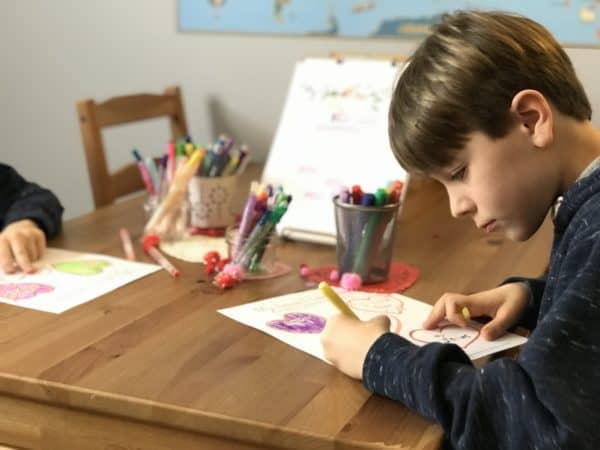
(84, 267)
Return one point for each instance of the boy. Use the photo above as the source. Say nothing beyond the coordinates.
(29, 215)
(491, 107)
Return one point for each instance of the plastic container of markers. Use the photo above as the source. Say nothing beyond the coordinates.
(176, 226)
(365, 239)
(256, 259)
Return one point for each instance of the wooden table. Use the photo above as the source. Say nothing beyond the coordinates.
(152, 365)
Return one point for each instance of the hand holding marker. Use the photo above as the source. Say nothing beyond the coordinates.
(336, 300)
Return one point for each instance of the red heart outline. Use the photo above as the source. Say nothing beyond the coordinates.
(441, 331)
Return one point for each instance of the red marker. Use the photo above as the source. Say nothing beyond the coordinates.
(357, 194)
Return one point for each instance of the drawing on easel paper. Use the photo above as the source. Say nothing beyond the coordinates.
(65, 279)
(298, 320)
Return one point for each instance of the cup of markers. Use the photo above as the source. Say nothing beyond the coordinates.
(365, 230)
(201, 196)
(252, 243)
(212, 189)
(166, 183)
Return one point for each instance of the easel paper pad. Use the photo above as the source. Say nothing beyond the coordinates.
(332, 133)
(298, 319)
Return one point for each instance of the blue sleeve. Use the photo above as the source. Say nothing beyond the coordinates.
(548, 398)
(20, 199)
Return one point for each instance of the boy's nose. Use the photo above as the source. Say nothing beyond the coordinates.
(461, 206)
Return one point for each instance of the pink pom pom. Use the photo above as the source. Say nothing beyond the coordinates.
(351, 281)
(233, 270)
(334, 275)
(304, 271)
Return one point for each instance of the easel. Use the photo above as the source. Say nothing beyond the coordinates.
(334, 118)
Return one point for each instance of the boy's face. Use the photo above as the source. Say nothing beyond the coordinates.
(504, 185)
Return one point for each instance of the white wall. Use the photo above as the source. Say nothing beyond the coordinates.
(53, 53)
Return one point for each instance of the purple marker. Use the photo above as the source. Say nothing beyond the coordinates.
(246, 221)
(344, 196)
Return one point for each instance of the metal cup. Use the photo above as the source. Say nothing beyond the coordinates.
(365, 239)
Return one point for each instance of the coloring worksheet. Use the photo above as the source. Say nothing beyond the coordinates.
(298, 319)
(65, 279)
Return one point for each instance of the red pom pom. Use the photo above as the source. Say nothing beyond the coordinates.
(211, 257)
(224, 280)
(209, 268)
(150, 240)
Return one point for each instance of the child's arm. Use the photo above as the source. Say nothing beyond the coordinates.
(548, 398)
(28, 215)
(20, 199)
(347, 340)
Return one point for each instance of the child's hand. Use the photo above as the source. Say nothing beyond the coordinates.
(21, 243)
(503, 304)
(346, 341)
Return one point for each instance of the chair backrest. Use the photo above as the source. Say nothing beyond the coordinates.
(93, 117)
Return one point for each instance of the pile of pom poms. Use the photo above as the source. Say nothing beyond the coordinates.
(349, 281)
(226, 274)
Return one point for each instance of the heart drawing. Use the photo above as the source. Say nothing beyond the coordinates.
(83, 267)
(299, 323)
(446, 334)
(23, 291)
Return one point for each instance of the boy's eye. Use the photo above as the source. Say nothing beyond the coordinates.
(458, 174)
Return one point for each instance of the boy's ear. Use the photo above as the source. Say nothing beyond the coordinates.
(533, 115)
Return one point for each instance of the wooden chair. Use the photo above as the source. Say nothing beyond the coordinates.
(93, 117)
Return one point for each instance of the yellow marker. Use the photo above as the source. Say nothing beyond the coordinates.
(466, 313)
(336, 300)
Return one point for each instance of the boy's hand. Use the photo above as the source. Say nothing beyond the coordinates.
(503, 304)
(21, 243)
(346, 341)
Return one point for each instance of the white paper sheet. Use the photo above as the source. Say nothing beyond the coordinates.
(65, 279)
(332, 133)
(298, 319)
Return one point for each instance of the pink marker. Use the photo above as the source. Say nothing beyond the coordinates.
(164, 262)
(170, 161)
(127, 244)
(146, 177)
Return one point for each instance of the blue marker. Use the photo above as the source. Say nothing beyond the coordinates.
(367, 200)
(136, 155)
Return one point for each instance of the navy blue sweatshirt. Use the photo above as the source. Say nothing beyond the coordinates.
(549, 398)
(20, 200)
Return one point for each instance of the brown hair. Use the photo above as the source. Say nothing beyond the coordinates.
(463, 77)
